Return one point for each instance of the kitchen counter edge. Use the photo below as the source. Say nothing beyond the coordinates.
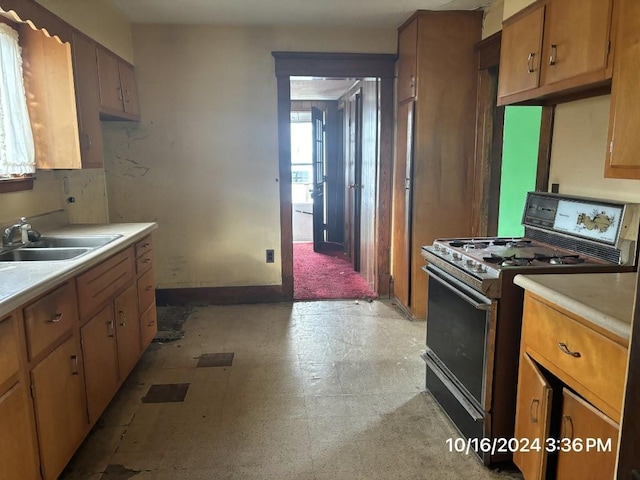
(603, 299)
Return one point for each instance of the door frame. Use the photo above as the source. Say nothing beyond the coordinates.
(340, 65)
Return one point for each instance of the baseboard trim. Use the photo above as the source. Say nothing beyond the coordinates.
(197, 296)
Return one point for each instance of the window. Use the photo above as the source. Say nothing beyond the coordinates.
(17, 153)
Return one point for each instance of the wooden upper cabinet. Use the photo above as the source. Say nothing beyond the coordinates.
(118, 92)
(555, 47)
(407, 60)
(576, 38)
(88, 100)
(623, 160)
(533, 414)
(520, 54)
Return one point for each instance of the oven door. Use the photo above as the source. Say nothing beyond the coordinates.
(459, 321)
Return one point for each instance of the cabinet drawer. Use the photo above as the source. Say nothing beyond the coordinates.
(9, 348)
(49, 318)
(102, 282)
(143, 263)
(146, 291)
(575, 353)
(143, 246)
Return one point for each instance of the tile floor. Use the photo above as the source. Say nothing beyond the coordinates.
(316, 390)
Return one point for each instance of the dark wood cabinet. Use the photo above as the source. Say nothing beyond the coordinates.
(435, 142)
(85, 68)
(118, 91)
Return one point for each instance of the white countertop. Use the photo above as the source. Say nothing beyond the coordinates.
(20, 282)
(604, 299)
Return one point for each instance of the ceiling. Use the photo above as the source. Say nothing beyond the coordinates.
(310, 13)
(319, 88)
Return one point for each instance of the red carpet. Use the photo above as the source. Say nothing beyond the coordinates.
(326, 275)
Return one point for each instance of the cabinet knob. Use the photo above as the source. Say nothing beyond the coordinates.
(74, 365)
(123, 318)
(111, 326)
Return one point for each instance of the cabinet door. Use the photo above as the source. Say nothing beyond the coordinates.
(520, 52)
(533, 413)
(407, 61)
(129, 89)
(18, 456)
(148, 325)
(100, 357)
(85, 68)
(576, 38)
(111, 97)
(61, 415)
(581, 422)
(128, 330)
(623, 160)
(402, 204)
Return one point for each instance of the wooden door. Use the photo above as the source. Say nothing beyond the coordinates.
(623, 160)
(127, 330)
(18, 457)
(520, 52)
(85, 68)
(353, 176)
(533, 413)
(100, 356)
(129, 89)
(407, 61)
(576, 38)
(402, 204)
(61, 414)
(111, 97)
(318, 194)
(581, 423)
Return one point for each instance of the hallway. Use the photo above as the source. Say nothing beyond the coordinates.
(316, 390)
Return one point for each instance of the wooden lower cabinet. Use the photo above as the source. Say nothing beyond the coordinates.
(148, 325)
(532, 418)
(59, 397)
(582, 423)
(100, 356)
(18, 455)
(128, 330)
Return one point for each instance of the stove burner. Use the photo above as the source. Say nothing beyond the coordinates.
(511, 242)
(469, 244)
(511, 261)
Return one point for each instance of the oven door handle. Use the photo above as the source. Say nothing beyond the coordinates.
(477, 305)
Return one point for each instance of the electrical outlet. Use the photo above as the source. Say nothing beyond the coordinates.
(270, 256)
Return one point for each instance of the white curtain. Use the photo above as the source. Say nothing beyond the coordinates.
(17, 155)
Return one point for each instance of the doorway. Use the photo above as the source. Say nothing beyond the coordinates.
(330, 65)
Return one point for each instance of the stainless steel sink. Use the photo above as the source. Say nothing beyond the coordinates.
(51, 248)
(42, 254)
(86, 241)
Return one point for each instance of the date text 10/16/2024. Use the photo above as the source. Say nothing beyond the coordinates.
(525, 445)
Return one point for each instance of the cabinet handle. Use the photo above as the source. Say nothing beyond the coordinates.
(123, 318)
(87, 141)
(74, 360)
(146, 260)
(567, 426)
(407, 184)
(532, 418)
(148, 288)
(412, 84)
(564, 349)
(111, 325)
(56, 318)
(530, 62)
(120, 97)
(554, 54)
(150, 324)
(144, 245)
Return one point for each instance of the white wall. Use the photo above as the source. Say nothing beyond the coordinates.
(203, 162)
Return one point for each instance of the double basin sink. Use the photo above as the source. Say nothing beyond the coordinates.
(56, 248)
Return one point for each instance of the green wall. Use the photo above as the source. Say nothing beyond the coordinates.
(519, 163)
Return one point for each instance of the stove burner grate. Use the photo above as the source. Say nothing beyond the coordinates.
(513, 261)
(511, 242)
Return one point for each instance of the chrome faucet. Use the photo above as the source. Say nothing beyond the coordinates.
(23, 227)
